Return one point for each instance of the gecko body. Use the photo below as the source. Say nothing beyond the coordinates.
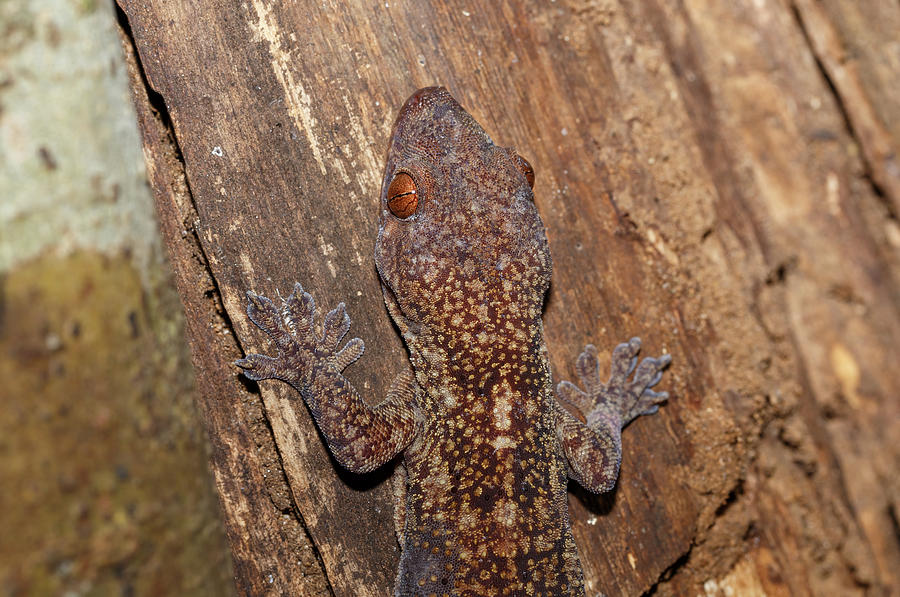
(486, 444)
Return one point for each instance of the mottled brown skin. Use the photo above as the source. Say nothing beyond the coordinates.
(486, 444)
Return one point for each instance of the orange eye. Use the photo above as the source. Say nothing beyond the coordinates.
(402, 197)
(526, 170)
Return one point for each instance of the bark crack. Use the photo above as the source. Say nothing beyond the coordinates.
(878, 157)
(212, 292)
(670, 571)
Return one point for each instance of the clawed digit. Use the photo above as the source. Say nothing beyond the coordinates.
(291, 330)
(624, 360)
(628, 399)
(258, 367)
(299, 309)
(352, 350)
(648, 374)
(265, 315)
(337, 324)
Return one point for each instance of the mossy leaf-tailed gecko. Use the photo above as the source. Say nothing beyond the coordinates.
(487, 445)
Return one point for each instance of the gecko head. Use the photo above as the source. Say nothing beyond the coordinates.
(459, 235)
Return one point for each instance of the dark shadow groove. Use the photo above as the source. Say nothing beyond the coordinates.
(213, 293)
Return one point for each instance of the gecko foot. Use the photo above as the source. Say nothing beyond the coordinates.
(290, 329)
(618, 396)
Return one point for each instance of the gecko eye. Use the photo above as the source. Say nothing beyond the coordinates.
(526, 170)
(402, 196)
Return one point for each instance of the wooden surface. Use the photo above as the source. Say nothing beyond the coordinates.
(711, 179)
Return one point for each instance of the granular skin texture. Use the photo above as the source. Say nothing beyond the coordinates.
(487, 446)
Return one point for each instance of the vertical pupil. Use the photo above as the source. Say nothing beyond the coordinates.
(403, 196)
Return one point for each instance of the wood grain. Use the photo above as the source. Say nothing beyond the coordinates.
(701, 189)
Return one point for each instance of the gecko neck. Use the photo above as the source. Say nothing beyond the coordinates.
(479, 354)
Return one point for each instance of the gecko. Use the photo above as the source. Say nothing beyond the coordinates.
(486, 445)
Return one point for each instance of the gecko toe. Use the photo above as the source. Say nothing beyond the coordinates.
(648, 403)
(588, 369)
(258, 367)
(351, 351)
(267, 317)
(299, 309)
(570, 394)
(336, 326)
(645, 374)
(624, 360)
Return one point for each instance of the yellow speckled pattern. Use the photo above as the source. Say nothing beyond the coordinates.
(486, 445)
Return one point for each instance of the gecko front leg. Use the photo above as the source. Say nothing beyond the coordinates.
(593, 448)
(360, 437)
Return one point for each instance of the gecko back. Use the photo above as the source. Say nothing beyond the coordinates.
(487, 447)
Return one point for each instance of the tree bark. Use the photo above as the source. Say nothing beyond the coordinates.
(104, 483)
(717, 178)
